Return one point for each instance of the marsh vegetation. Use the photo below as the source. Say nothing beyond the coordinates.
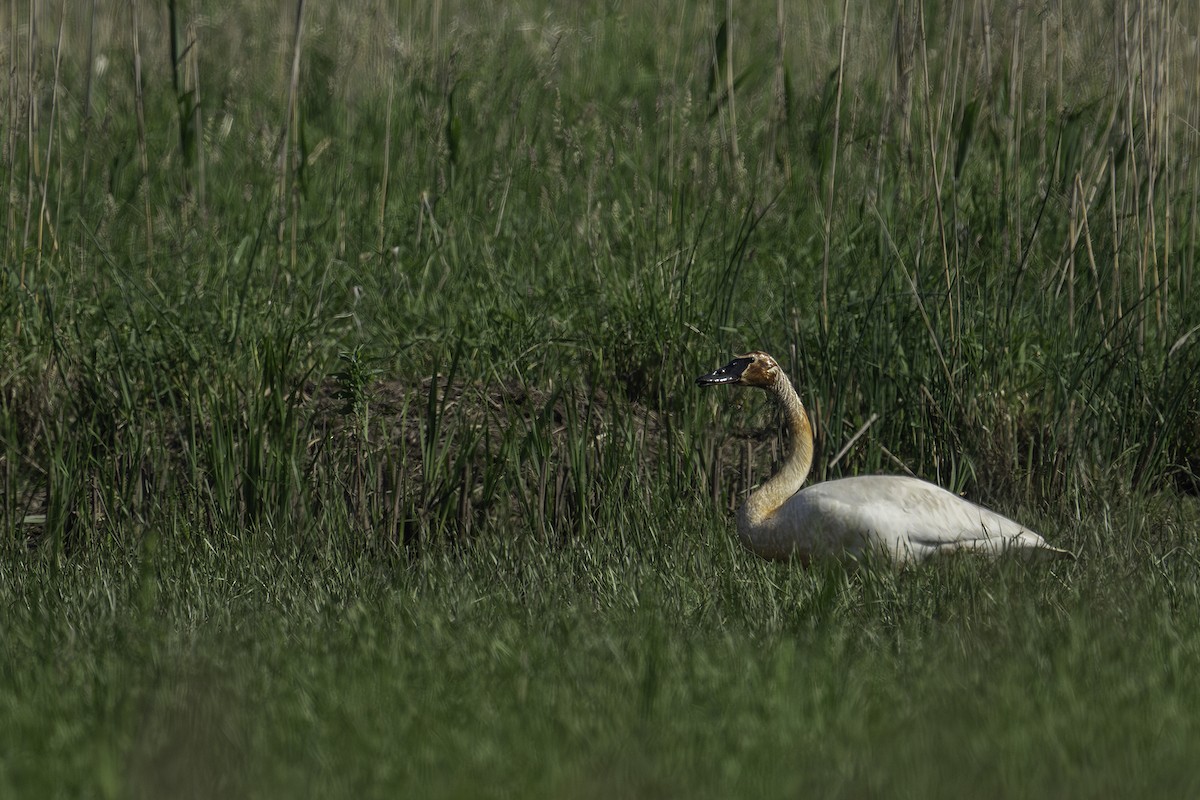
(348, 440)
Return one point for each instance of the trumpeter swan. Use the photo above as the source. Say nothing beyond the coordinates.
(903, 519)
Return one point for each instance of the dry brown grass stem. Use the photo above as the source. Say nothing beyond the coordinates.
(831, 184)
(733, 129)
(935, 174)
(44, 222)
(1015, 233)
(86, 122)
(779, 117)
(1086, 231)
(192, 85)
(288, 158)
(11, 138)
(31, 134)
(143, 157)
(384, 179)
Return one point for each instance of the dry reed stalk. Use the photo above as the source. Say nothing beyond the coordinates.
(1169, 176)
(1087, 238)
(192, 86)
(949, 88)
(961, 104)
(1069, 273)
(288, 197)
(1149, 100)
(1159, 154)
(31, 136)
(1059, 103)
(1114, 232)
(1193, 125)
(43, 217)
(733, 134)
(177, 85)
(143, 158)
(387, 165)
(898, 101)
(906, 43)
(985, 24)
(1015, 232)
(931, 134)
(1130, 62)
(86, 124)
(779, 98)
(1044, 117)
(435, 24)
(10, 149)
(832, 179)
(1139, 167)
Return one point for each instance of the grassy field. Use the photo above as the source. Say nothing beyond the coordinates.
(349, 444)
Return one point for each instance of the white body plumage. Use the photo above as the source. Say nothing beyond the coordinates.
(900, 518)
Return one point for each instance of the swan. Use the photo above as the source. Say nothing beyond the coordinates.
(903, 519)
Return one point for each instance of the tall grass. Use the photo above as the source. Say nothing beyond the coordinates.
(1004, 258)
(1010, 245)
(1004, 286)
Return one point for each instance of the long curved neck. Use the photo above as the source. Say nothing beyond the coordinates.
(790, 477)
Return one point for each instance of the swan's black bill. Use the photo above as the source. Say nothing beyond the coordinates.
(730, 373)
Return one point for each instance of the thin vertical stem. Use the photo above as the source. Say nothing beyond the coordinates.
(1073, 233)
(733, 135)
(1044, 117)
(1058, 92)
(933, 166)
(31, 136)
(177, 85)
(1015, 234)
(43, 219)
(832, 183)
(143, 158)
(1132, 65)
(1164, 121)
(986, 23)
(193, 56)
(10, 151)
(1193, 218)
(387, 164)
(780, 117)
(1087, 238)
(87, 96)
(287, 155)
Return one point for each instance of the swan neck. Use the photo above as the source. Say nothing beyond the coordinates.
(791, 475)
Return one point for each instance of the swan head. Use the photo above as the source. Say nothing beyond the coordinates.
(753, 369)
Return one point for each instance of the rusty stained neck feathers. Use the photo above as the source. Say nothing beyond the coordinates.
(761, 371)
